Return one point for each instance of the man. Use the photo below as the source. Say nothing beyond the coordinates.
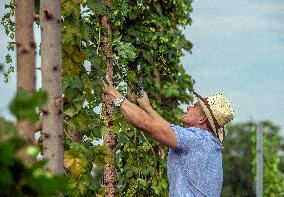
(195, 156)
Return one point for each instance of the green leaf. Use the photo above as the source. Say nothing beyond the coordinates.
(7, 127)
(39, 98)
(124, 50)
(78, 148)
(8, 59)
(33, 151)
(102, 155)
(97, 8)
(70, 111)
(72, 85)
(24, 106)
(170, 89)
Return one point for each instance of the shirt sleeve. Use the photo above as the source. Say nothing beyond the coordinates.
(186, 138)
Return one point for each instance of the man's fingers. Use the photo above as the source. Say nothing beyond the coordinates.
(141, 93)
(108, 79)
(105, 81)
(139, 100)
(105, 86)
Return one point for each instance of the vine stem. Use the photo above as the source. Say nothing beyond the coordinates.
(99, 41)
(68, 135)
(148, 142)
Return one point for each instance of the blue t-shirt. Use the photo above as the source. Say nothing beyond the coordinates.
(194, 168)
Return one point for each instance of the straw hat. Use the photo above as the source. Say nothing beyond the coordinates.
(218, 111)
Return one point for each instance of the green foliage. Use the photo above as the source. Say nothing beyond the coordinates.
(124, 50)
(16, 178)
(79, 161)
(146, 43)
(158, 44)
(24, 106)
(273, 180)
(7, 128)
(237, 158)
(9, 26)
(239, 161)
(145, 34)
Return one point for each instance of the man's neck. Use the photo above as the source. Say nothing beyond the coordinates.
(203, 127)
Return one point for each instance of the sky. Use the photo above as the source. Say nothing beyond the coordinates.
(238, 50)
(8, 90)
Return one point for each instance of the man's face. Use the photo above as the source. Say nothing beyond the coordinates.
(192, 115)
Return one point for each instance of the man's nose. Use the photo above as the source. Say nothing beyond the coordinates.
(188, 107)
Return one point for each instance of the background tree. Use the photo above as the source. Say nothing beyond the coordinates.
(9, 26)
(239, 160)
(25, 47)
(52, 113)
(273, 179)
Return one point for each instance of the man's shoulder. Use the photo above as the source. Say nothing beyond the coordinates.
(198, 136)
(195, 131)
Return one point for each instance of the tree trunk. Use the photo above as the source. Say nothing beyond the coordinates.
(109, 176)
(52, 113)
(25, 47)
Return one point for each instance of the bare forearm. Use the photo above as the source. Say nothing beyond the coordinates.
(135, 115)
(153, 114)
(132, 113)
(156, 127)
(153, 124)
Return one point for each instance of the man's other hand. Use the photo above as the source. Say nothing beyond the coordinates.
(143, 101)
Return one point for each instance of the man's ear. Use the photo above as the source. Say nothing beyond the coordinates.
(203, 119)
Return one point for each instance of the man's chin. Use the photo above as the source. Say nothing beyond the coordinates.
(182, 118)
(184, 123)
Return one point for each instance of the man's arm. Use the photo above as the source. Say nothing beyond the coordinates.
(157, 128)
(144, 103)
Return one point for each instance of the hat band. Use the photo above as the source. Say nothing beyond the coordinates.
(216, 124)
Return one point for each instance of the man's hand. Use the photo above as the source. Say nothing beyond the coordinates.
(109, 89)
(143, 101)
(149, 121)
(107, 85)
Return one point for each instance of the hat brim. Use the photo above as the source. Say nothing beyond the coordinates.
(219, 132)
